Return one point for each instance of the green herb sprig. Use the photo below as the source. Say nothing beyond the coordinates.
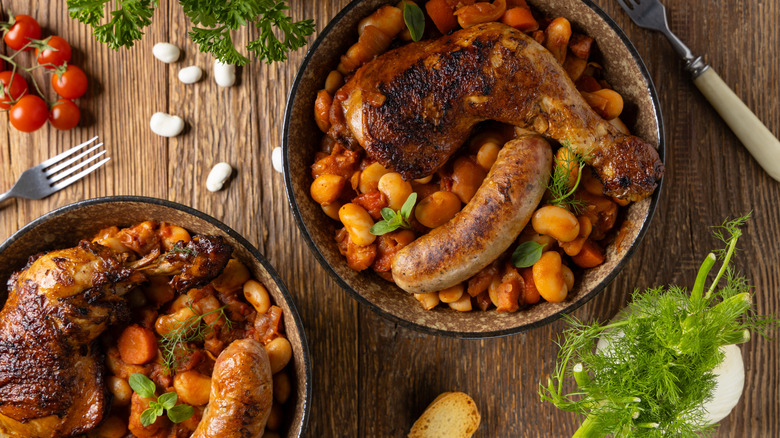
(656, 371)
(164, 404)
(414, 20)
(527, 253)
(560, 192)
(175, 342)
(213, 21)
(395, 220)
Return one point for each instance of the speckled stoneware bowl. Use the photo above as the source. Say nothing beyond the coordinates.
(64, 228)
(301, 139)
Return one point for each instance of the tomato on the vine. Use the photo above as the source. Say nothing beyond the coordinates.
(23, 28)
(70, 83)
(53, 51)
(64, 115)
(29, 113)
(14, 87)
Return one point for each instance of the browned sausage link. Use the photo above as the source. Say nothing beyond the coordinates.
(241, 393)
(486, 227)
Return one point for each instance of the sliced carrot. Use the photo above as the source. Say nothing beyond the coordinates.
(521, 19)
(591, 255)
(516, 4)
(137, 345)
(442, 14)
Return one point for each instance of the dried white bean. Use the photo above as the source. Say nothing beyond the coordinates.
(166, 52)
(166, 125)
(191, 74)
(276, 159)
(224, 74)
(217, 177)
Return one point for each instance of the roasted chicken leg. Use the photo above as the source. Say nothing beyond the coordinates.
(51, 372)
(413, 107)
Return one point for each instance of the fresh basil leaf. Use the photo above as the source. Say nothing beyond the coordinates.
(527, 253)
(406, 209)
(414, 19)
(148, 417)
(142, 385)
(168, 400)
(382, 227)
(180, 413)
(388, 214)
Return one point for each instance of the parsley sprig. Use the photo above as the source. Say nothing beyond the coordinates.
(395, 220)
(561, 193)
(655, 374)
(164, 404)
(213, 21)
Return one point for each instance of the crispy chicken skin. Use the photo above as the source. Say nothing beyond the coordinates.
(51, 369)
(413, 107)
(51, 379)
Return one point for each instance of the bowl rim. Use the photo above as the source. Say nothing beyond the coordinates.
(222, 227)
(597, 289)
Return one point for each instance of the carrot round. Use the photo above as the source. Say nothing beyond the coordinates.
(137, 345)
(442, 15)
(521, 19)
(591, 255)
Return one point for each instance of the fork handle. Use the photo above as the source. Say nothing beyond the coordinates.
(758, 140)
(5, 196)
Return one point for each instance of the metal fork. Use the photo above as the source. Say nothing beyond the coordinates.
(55, 173)
(759, 141)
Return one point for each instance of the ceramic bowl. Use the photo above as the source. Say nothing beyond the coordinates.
(64, 227)
(625, 71)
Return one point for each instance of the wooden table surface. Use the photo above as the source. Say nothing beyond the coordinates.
(372, 377)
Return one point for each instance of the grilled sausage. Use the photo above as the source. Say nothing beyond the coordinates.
(241, 393)
(486, 227)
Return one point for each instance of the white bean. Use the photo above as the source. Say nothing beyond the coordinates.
(276, 159)
(166, 125)
(224, 74)
(217, 177)
(166, 52)
(191, 74)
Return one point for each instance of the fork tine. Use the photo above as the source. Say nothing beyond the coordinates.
(625, 5)
(67, 163)
(78, 176)
(75, 168)
(66, 154)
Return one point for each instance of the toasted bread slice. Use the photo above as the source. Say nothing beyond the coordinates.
(450, 415)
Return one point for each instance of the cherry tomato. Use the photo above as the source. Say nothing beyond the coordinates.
(29, 114)
(23, 29)
(64, 115)
(70, 84)
(18, 88)
(58, 54)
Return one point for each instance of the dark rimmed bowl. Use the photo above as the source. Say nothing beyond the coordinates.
(64, 227)
(625, 71)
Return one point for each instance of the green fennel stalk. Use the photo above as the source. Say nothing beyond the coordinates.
(655, 373)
